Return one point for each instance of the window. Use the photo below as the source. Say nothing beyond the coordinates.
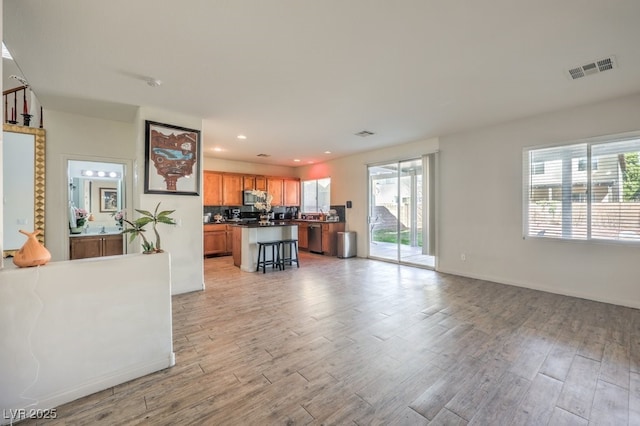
(537, 168)
(316, 195)
(586, 191)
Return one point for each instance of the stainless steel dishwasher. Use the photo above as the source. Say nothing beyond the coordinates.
(315, 238)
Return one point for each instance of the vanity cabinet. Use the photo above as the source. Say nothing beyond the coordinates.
(84, 246)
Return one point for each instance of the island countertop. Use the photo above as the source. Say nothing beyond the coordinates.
(246, 237)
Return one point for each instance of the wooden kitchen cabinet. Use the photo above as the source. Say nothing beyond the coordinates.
(212, 188)
(232, 186)
(261, 183)
(330, 237)
(275, 188)
(82, 247)
(229, 235)
(291, 190)
(248, 183)
(303, 235)
(251, 182)
(218, 239)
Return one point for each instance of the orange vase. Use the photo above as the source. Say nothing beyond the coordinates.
(32, 253)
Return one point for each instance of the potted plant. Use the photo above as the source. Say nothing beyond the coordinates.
(136, 228)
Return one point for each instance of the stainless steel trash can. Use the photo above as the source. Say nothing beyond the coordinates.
(346, 244)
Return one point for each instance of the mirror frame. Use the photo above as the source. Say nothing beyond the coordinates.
(39, 178)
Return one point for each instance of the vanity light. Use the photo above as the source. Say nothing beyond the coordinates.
(100, 173)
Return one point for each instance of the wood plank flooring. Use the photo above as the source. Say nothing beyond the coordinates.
(361, 342)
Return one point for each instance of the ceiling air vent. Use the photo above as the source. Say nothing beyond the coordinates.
(364, 133)
(591, 68)
(263, 155)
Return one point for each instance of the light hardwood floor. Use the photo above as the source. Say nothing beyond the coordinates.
(360, 342)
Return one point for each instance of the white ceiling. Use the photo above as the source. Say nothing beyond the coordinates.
(300, 77)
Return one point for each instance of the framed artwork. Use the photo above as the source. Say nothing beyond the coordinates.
(108, 200)
(172, 159)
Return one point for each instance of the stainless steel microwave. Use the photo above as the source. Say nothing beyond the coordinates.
(248, 198)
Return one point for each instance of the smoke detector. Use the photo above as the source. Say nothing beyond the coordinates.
(591, 68)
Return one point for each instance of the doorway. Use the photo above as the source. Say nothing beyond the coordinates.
(402, 211)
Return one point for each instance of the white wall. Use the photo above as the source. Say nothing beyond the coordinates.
(69, 329)
(219, 165)
(349, 181)
(1, 146)
(481, 209)
(183, 241)
(72, 136)
(78, 137)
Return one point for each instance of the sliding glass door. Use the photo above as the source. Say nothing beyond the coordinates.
(401, 206)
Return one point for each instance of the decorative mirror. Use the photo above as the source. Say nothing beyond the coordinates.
(23, 173)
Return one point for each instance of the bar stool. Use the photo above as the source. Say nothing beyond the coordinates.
(275, 255)
(292, 245)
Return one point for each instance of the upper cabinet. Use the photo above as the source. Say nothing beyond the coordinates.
(212, 188)
(225, 189)
(251, 182)
(232, 187)
(275, 188)
(291, 189)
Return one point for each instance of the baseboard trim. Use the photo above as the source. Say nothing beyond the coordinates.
(96, 385)
(547, 289)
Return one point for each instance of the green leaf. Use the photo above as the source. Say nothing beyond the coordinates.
(167, 220)
(165, 213)
(144, 212)
(142, 221)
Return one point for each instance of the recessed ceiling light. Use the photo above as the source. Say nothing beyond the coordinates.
(297, 160)
(242, 137)
(309, 162)
(327, 152)
(217, 149)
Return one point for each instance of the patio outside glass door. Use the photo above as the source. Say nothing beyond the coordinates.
(400, 223)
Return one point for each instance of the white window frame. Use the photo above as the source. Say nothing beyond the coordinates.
(527, 173)
(302, 195)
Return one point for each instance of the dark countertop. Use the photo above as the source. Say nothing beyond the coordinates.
(281, 222)
(258, 225)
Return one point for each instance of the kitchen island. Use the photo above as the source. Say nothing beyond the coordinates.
(246, 237)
